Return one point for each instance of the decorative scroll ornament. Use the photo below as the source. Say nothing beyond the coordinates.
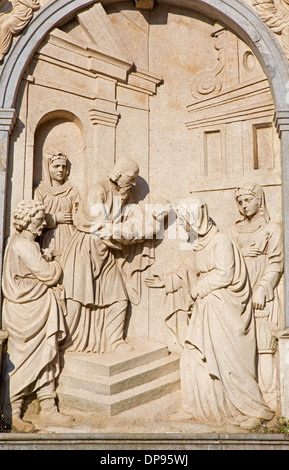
(275, 13)
(208, 82)
(14, 22)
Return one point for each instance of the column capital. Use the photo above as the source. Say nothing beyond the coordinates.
(7, 119)
(281, 119)
(104, 118)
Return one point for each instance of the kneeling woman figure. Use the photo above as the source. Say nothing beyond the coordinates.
(218, 362)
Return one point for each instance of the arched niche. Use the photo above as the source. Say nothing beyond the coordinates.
(61, 131)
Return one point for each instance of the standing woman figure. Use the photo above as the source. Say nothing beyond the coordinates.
(260, 241)
(218, 373)
(60, 200)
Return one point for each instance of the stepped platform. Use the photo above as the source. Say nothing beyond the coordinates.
(111, 383)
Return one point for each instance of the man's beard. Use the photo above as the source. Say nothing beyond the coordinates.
(36, 232)
(124, 190)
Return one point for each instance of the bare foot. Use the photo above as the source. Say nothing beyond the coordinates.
(250, 423)
(123, 347)
(55, 417)
(19, 425)
(181, 415)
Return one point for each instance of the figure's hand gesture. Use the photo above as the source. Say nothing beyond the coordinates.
(48, 254)
(259, 298)
(251, 251)
(161, 211)
(154, 282)
(64, 218)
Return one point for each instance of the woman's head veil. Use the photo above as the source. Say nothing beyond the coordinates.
(257, 191)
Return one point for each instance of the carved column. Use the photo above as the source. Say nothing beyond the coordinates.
(104, 118)
(282, 124)
(7, 120)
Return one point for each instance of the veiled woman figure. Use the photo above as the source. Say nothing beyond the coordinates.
(60, 200)
(260, 241)
(218, 377)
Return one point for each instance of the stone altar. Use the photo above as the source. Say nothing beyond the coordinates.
(193, 94)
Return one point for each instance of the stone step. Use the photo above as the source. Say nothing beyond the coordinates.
(109, 405)
(131, 378)
(113, 363)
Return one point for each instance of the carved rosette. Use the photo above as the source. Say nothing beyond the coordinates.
(14, 22)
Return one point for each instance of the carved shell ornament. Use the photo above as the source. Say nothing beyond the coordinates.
(14, 22)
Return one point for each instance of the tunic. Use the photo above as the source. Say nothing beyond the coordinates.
(91, 273)
(265, 269)
(60, 199)
(33, 314)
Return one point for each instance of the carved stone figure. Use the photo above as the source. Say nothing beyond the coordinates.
(60, 200)
(33, 315)
(218, 377)
(260, 241)
(275, 13)
(14, 22)
(97, 291)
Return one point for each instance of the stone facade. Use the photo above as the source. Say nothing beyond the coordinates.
(196, 94)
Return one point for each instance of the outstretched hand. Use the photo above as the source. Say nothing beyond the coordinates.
(154, 282)
(162, 209)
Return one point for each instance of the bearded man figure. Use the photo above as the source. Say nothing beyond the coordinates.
(33, 315)
(96, 292)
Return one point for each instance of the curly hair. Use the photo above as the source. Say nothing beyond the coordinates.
(23, 213)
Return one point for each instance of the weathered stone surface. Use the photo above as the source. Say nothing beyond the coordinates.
(155, 103)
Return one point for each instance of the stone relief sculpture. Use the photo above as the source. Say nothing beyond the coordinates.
(218, 375)
(260, 241)
(33, 315)
(275, 13)
(208, 82)
(14, 22)
(60, 200)
(97, 296)
(103, 252)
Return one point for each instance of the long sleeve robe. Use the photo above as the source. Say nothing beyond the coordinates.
(33, 314)
(218, 371)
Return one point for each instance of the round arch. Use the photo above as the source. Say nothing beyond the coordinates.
(234, 14)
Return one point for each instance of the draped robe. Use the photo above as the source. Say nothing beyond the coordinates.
(96, 275)
(63, 198)
(33, 315)
(218, 363)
